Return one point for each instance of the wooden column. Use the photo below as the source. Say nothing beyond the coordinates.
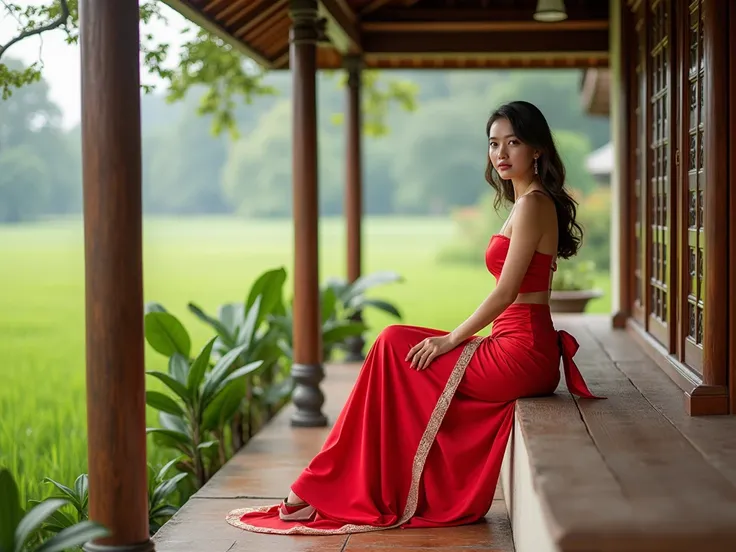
(307, 369)
(715, 336)
(621, 92)
(732, 207)
(111, 155)
(354, 187)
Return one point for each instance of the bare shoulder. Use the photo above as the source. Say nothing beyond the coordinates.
(535, 210)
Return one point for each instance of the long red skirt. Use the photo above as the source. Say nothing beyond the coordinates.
(424, 448)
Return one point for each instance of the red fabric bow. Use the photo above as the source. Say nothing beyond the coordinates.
(573, 378)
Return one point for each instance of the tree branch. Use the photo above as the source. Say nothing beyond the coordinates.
(56, 23)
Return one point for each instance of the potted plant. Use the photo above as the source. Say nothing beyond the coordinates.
(572, 287)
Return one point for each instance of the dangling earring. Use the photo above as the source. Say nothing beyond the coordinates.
(536, 166)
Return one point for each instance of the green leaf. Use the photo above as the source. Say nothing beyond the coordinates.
(219, 372)
(164, 403)
(239, 373)
(166, 334)
(166, 488)
(338, 334)
(81, 487)
(164, 470)
(10, 510)
(172, 384)
(231, 316)
(284, 325)
(227, 337)
(224, 405)
(33, 519)
(164, 510)
(364, 283)
(154, 307)
(338, 285)
(279, 391)
(164, 441)
(328, 304)
(286, 348)
(198, 369)
(58, 521)
(69, 493)
(248, 329)
(179, 368)
(359, 303)
(175, 436)
(269, 286)
(174, 423)
(76, 535)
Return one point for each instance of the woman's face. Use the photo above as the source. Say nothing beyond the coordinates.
(511, 158)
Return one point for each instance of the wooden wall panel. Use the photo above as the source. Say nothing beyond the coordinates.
(680, 162)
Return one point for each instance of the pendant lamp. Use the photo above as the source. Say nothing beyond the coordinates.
(550, 11)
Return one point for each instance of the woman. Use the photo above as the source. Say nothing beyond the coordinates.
(421, 438)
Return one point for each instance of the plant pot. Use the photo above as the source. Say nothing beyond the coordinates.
(572, 301)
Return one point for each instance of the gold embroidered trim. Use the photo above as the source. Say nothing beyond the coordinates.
(430, 432)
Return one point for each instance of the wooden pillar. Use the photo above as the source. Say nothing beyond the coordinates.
(732, 208)
(716, 219)
(307, 368)
(621, 91)
(111, 155)
(354, 187)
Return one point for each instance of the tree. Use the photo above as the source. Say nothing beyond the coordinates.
(39, 163)
(204, 60)
(24, 184)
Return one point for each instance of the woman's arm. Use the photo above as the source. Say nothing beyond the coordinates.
(525, 238)
(524, 241)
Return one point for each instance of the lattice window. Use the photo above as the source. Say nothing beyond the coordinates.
(695, 180)
(659, 159)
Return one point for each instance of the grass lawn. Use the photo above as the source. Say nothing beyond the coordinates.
(209, 261)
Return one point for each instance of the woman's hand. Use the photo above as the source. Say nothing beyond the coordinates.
(428, 349)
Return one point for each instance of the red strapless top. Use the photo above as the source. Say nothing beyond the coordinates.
(537, 275)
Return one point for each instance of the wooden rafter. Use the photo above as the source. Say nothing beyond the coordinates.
(259, 18)
(197, 16)
(342, 26)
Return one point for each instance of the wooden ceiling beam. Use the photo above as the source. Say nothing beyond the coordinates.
(482, 26)
(498, 43)
(598, 11)
(342, 27)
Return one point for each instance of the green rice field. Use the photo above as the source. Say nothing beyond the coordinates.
(206, 260)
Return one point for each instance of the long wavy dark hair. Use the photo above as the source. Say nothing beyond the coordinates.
(531, 127)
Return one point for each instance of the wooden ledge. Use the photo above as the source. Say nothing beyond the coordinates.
(633, 472)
